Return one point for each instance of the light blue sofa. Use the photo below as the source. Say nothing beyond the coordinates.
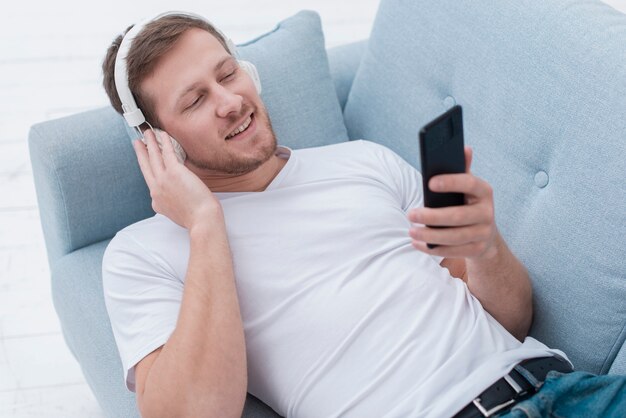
(543, 87)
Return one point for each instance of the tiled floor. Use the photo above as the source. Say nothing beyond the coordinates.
(50, 66)
(50, 60)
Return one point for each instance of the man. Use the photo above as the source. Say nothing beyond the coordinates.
(301, 275)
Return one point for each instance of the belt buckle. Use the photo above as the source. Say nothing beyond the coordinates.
(489, 412)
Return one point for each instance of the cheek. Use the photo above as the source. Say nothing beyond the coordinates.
(198, 123)
(199, 133)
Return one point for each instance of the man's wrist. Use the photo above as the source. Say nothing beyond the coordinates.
(488, 261)
(206, 221)
(494, 249)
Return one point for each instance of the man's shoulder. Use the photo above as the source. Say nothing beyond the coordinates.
(146, 236)
(146, 229)
(150, 251)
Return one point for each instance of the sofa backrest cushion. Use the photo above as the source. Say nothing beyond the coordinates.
(543, 90)
(88, 182)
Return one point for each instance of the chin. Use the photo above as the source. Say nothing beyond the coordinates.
(233, 162)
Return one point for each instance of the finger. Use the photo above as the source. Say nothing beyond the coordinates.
(144, 161)
(460, 183)
(452, 215)
(474, 249)
(451, 236)
(468, 158)
(156, 158)
(169, 155)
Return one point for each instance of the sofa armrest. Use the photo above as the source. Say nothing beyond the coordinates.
(87, 180)
(344, 61)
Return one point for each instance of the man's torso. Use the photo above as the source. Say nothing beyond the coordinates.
(342, 316)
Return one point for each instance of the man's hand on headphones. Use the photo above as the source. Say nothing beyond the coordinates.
(176, 192)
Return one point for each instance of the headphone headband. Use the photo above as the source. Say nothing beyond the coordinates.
(132, 113)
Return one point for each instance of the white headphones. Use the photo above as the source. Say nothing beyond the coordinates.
(133, 115)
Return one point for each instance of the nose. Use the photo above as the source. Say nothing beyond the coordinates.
(227, 101)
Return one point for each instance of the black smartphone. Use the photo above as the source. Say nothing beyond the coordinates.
(441, 152)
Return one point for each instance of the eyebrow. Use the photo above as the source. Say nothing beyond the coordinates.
(195, 85)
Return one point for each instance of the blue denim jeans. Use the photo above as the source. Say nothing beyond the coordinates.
(577, 394)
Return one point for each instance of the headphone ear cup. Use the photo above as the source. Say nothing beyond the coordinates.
(178, 149)
(250, 68)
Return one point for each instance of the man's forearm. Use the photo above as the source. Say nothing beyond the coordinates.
(201, 370)
(501, 283)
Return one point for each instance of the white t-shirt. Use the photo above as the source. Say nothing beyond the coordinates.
(342, 315)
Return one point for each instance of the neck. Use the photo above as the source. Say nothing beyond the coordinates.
(256, 180)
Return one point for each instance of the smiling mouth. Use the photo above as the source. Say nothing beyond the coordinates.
(241, 129)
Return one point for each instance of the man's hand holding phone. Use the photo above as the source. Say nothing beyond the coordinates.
(176, 192)
(458, 222)
(471, 229)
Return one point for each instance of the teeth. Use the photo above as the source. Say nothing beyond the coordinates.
(242, 128)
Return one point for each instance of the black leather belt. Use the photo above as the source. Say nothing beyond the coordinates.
(523, 381)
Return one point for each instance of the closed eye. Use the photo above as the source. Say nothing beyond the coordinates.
(195, 102)
(229, 76)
